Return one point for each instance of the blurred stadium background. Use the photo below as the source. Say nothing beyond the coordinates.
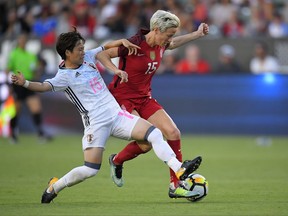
(234, 108)
(227, 103)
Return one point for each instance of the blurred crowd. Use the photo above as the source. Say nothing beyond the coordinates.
(261, 62)
(110, 19)
(107, 18)
(101, 20)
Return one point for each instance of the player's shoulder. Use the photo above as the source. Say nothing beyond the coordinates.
(139, 36)
(62, 70)
(94, 51)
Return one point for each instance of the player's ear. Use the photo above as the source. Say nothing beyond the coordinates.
(156, 30)
(67, 52)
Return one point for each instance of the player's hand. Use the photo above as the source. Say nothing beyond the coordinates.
(203, 29)
(123, 75)
(18, 79)
(132, 48)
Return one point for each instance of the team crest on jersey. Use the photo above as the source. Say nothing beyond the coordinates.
(152, 55)
(89, 138)
(77, 74)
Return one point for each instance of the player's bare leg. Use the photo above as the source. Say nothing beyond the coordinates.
(153, 135)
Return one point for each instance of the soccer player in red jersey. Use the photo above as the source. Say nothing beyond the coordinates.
(135, 95)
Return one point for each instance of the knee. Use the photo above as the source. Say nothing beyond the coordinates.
(172, 133)
(145, 147)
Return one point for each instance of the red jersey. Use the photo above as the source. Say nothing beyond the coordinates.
(140, 68)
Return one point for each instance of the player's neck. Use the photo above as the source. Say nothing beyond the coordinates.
(70, 65)
(150, 39)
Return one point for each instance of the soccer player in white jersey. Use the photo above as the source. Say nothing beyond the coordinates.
(83, 85)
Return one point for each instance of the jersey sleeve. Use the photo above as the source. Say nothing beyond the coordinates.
(93, 52)
(123, 51)
(59, 83)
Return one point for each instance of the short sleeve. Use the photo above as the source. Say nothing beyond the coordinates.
(93, 52)
(60, 82)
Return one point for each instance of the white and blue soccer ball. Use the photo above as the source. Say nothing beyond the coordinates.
(198, 183)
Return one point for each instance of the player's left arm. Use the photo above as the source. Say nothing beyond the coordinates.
(178, 41)
(132, 48)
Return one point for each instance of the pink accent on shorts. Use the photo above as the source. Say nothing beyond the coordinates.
(125, 113)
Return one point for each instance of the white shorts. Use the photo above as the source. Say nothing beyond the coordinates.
(120, 127)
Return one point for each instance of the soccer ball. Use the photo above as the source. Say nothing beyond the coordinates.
(198, 183)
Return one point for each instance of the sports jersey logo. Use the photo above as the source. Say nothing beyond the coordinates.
(152, 55)
(89, 138)
(77, 74)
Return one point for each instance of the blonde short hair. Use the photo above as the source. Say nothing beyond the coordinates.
(164, 20)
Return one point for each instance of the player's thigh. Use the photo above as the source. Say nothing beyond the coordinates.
(143, 145)
(96, 136)
(128, 126)
(140, 130)
(164, 122)
(140, 142)
(134, 112)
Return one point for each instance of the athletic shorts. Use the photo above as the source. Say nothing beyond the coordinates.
(21, 93)
(144, 106)
(120, 127)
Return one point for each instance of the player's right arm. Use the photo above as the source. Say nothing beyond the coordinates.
(132, 48)
(105, 58)
(18, 79)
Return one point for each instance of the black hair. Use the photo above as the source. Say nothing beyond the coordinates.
(67, 41)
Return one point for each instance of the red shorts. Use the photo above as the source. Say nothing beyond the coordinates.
(144, 106)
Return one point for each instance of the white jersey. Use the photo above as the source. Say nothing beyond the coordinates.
(86, 89)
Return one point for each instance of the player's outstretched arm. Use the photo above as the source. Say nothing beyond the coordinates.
(18, 79)
(132, 48)
(178, 41)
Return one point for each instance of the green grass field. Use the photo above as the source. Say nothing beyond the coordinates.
(244, 179)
